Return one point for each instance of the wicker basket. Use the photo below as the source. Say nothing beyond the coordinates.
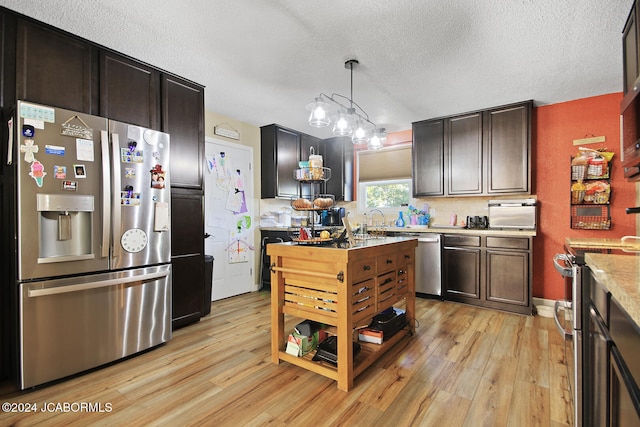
(578, 172)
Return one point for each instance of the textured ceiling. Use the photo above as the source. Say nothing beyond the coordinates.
(262, 61)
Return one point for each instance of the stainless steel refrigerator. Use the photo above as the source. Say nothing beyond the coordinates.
(93, 241)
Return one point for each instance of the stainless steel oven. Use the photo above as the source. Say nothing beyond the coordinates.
(568, 318)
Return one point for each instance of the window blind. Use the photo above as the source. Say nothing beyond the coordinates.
(385, 164)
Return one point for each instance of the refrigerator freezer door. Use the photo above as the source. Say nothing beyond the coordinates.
(60, 192)
(71, 325)
(141, 196)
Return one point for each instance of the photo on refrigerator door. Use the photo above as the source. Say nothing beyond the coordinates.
(229, 206)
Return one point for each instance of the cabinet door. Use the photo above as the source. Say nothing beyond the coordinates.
(187, 278)
(508, 277)
(7, 61)
(183, 120)
(507, 146)
(187, 256)
(280, 153)
(465, 154)
(623, 400)
(630, 51)
(55, 69)
(596, 370)
(428, 158)
(129, 91)
(461, 273)
(336, 157)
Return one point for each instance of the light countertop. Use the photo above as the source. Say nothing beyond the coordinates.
(436, 229)
(620, 274)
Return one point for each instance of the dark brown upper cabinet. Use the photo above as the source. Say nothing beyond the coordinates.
(479, 153)
(55, 69)
(630, 54)
(507, 139)
(129, 91)
(464, 148)
(183, 120)
(428, 158)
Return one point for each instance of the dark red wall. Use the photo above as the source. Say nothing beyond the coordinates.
(554, 129)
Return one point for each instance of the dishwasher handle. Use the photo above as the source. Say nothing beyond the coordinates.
(430, 239)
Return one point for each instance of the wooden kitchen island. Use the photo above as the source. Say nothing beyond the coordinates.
(343, 288)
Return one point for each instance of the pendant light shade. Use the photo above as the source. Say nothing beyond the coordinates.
(320, 113)
(361, 132)
(342, 125)
(350, 120)
(378, 139)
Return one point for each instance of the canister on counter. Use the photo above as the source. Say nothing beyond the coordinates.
(453, 219)
(315, 164)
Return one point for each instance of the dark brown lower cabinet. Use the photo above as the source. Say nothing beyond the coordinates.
(488, 271)
(624, 372)
(507, 273)
(187, 256)
(461, 273)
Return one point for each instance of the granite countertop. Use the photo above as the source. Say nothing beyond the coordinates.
(631, 243)
(620, 274)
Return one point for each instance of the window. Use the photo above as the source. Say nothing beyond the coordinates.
(384, 194)
(384, 178)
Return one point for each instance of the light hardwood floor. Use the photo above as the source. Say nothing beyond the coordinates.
(465, 366)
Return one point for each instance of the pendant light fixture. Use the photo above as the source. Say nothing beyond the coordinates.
(348, 120)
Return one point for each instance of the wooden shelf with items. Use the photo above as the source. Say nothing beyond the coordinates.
(591, 190)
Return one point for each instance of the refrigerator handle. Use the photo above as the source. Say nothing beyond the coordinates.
(117, 210)
(106, 193)
(94, 285)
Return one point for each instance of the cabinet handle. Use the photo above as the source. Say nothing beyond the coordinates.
(389, 261)
(366, 267)
(386, 281)
(407, 256)
(401, 272)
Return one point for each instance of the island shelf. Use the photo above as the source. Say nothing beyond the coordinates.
(344, 289)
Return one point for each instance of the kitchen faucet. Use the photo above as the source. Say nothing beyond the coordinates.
(371, 212)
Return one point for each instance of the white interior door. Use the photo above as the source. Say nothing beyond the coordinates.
(229, 217)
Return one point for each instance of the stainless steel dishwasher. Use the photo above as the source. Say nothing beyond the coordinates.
(428, 264)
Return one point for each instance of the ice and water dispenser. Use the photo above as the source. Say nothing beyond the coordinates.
(64, 229)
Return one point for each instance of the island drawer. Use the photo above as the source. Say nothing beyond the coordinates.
(363, 269)
(386, 262)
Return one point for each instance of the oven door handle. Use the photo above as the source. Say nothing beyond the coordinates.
(566, 334)
(562, 268)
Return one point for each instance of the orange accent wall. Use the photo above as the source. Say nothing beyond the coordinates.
(554, 129)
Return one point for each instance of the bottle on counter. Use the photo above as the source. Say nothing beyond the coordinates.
(453, 219)
(400, 220)
(364, 226)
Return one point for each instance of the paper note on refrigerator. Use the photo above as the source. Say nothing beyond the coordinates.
(161, 220)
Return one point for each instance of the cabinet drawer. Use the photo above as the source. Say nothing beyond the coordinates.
(386, 291)
(408, 257)
(386, 262)
(363, 269)
(457, 240)
(508, 242)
